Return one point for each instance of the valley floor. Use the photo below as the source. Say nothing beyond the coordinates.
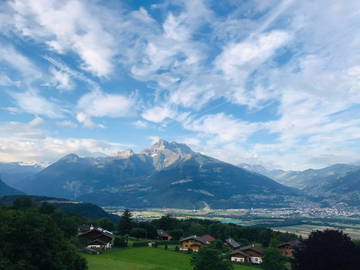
(144, 258)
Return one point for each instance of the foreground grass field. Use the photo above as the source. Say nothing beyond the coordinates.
(143, 259)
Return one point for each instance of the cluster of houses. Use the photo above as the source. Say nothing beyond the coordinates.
(239, 254)
(99, 240)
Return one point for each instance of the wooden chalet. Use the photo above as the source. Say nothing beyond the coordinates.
(97, 239)
(250, 254)
(195, 243)
(163, 235)
(287, 249)
(238, 256)
(231, 243)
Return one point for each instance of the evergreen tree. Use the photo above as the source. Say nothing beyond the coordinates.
(324, 250)
(210, 259)
(125, 223)
(273, 260)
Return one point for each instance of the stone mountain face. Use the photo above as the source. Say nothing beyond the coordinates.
(14, 173)
(167, 174)
(7, 190)
(165, 153)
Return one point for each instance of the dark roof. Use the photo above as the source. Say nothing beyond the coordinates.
(256, 249)
(162, 233)
(232, 243)
(207, 238)
(238, 251)
(193, 237)
(294, 244)
(95, 233)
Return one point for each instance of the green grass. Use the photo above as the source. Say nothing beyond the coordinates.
(143, 258)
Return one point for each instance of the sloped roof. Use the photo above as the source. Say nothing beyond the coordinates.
(193, 237)
(162, 233)
(232, 243)
(238, 251)
(256, 249)
(207, 238)
(294, 244)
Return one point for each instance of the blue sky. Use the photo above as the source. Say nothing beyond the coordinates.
(262, 81)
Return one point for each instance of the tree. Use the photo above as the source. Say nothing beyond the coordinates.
(23, 202)
(210, 259)
(273, 260)
(46, 208)
(176, 234)
(32, 241)
(125, 223)
(105, 223)
(138, 232)
(329, 249)
(120, 241)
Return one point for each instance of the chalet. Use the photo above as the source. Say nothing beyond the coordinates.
(195, 243)
(254, 253)
(97, 239)
(231, 243)
(163, 235)
(247, 254)
(287, 249)
(238, 256)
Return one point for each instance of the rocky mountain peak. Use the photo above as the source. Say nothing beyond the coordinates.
(123, 154)
(70, 158)
(165, 153)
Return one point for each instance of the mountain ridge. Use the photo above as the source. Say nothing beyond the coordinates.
(167, 174)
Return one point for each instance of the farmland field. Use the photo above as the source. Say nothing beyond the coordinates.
(144, 259)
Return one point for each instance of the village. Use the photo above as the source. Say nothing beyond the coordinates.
(98, 240)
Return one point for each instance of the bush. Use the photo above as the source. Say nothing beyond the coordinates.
(140, 244)
(120, 241)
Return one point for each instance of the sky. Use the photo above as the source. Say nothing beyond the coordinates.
(266, 82)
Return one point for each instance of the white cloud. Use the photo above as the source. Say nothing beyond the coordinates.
(224, 128)
(31, 102)
(141, 124)
(87, 122)
(50, 149)
(20, 130)
(157, 114)
(61, 79)
(19, 62)
(67, 123)
(100, 104)
(75, 26)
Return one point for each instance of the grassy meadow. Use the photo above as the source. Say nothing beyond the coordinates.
(143, 258)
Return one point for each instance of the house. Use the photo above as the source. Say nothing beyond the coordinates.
(195, 243)
(238, 256)
(231, 243)
(163, 235)
(254, 253)
(97, 239)
(287, 249)
(250, 254)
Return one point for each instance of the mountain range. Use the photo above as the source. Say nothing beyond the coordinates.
(338, 183)
(168, 174)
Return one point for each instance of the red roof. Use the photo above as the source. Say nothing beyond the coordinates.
(207, 238)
